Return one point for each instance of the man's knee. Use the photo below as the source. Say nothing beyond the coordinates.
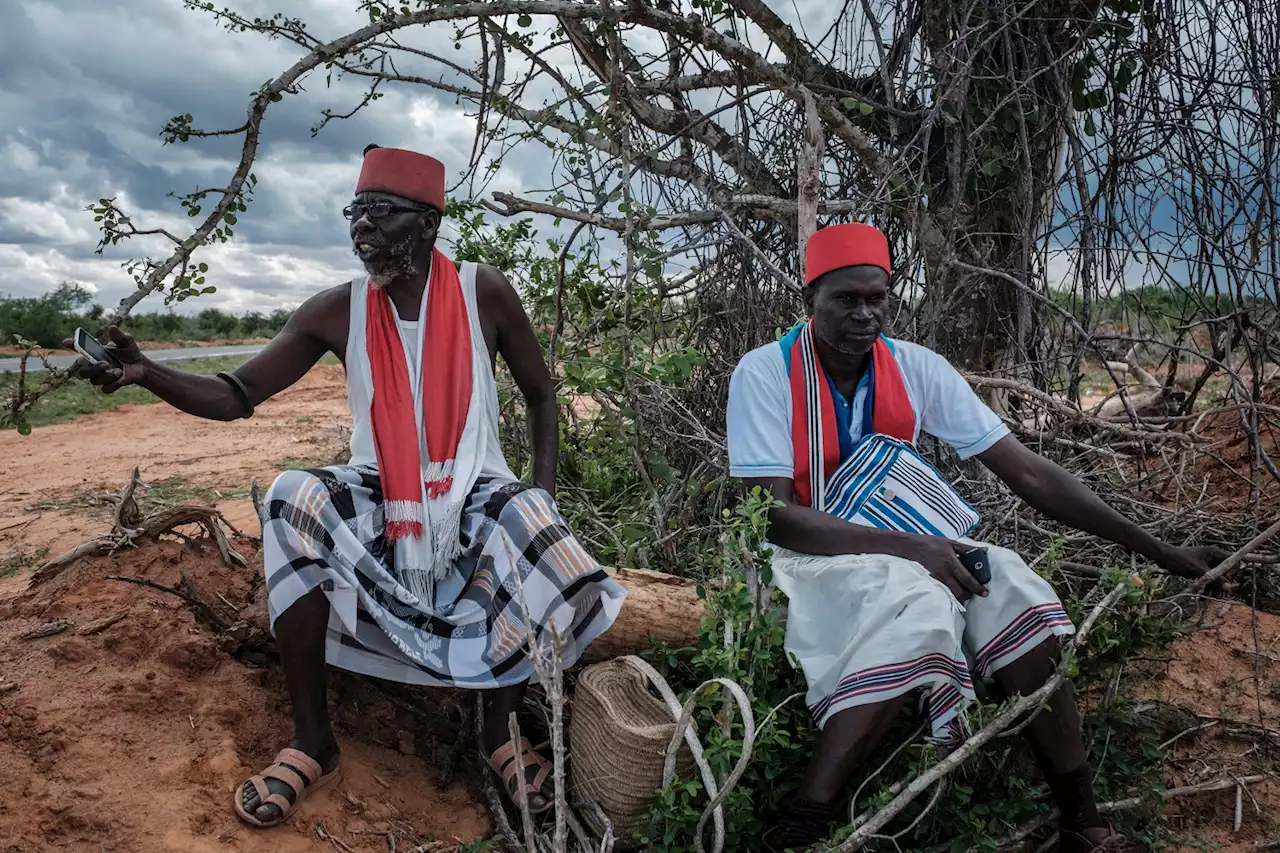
(288, 482)
(294, 488)
(1029, 672)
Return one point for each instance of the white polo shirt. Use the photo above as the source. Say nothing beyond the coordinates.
(759, 414)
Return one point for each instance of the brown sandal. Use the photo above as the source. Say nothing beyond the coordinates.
(294, 768)
(504, 763)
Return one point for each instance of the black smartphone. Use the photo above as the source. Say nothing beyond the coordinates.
(89, 347)
(977, 561)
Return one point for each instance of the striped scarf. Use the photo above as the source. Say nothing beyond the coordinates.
(814, 436)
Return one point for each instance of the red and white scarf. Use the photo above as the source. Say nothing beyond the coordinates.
(446, 397)
(814, 437)
(423, 499)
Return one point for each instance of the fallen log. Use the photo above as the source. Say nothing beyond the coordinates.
(659, 607)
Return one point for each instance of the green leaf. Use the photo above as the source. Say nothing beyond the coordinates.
(203, 267)
(525, 21)
(853, 104)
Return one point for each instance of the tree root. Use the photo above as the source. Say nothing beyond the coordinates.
(186, 590)
(129, 528)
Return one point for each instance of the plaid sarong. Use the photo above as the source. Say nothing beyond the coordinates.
(324, 528)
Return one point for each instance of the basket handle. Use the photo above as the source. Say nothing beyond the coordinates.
(684, 729)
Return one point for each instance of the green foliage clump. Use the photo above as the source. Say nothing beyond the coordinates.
(46, 319)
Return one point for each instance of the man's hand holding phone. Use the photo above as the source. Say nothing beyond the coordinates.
(955, 564)
(109, 367)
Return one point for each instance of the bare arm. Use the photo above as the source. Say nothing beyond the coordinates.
(809, 531)
(281, 363)
(522, 353)
(1050, 489)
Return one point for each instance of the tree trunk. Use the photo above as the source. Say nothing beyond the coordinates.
(993, 172)
(658, 606)
(662, 607)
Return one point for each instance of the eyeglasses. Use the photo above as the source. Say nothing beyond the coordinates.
(378, 210)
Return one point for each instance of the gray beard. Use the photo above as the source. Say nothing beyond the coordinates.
(396, 263)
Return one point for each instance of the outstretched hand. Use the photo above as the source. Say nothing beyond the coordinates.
(1191, 562)
(133, 366)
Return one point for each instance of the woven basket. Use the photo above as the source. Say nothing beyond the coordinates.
(618, 739)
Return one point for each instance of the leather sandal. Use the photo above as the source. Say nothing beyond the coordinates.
(512, 773)
(294, 768)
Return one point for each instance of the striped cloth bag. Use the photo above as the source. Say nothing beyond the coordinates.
(885, 484)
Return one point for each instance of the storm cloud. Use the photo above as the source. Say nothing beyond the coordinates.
(85, 89)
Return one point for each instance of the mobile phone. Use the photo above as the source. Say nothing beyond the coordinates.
(978, 562)
(89, 347)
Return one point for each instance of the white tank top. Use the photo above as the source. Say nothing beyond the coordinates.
(363, 451)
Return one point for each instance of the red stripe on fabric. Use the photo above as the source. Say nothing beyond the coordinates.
(446, 361)
(1015, 634)
(934, 663)
(1016, 623)
(830, 431)
(800, 417)
(891, 412)
(799, 427)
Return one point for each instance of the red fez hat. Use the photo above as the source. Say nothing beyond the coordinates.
(403, 173)
(849, 245)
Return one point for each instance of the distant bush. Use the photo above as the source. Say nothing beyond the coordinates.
(50, 319)
(45, 319)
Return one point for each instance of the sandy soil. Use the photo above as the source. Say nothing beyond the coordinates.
(132, 739)
(1231, 678)
(73, 463)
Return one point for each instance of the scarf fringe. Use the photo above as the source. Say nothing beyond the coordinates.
(403, 519)
(438, 478)
(447, 536)
(420, 582)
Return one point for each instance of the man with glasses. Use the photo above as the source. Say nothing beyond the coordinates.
(424, 560)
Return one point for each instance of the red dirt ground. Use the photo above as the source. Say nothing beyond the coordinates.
(1228, 458)
(133, 739)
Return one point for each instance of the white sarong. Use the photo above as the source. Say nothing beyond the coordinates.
(868, 628)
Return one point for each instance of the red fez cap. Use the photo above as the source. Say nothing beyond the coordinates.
(849, 245)
(403, 173)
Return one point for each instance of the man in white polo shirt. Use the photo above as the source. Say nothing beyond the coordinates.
(892, 605)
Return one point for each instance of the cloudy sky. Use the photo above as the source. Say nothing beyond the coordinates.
(85, 88)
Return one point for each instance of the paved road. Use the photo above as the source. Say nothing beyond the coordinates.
(10, 365)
